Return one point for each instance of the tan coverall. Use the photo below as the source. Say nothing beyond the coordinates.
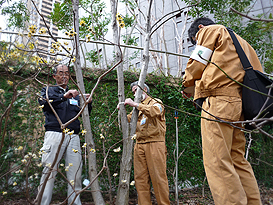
(150, 153)
(229, 174)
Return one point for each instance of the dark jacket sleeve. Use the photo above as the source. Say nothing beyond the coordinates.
(56, 98)
(90, 107)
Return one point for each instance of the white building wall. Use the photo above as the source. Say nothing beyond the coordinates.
(172, 37)
(167, 37)
(261, 6)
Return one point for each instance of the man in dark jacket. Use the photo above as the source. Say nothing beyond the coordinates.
(66, 104)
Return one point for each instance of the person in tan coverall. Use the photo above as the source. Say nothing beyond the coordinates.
(230, 175)
(150, 151)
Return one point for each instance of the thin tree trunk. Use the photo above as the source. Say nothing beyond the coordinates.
(96, 194)
(145, 57)
(126, 161)
(105, 57)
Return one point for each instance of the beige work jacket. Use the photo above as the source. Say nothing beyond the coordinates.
(151, 123)
(210, 80)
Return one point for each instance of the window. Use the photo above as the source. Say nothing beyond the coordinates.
(137, 40)
(191, 48)
(179, 27)
(138, 65)
(178, 18)
(45, 12)
(42, 40)
(178, 15)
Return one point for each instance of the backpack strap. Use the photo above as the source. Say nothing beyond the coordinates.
(244, 60)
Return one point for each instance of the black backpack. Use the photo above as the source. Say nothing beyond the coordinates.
(254, 102)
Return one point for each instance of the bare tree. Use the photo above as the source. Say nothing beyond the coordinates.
(126, 161)
(97, 196)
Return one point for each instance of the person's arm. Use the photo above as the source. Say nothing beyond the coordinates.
(154, 110)
(129, 116)
(206, 40)
(55, 98)
(89, 105)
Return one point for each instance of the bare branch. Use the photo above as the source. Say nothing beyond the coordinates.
(176, 12)
(264, 162)
(249, 17)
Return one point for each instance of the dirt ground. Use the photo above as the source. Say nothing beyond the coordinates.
(186, 197)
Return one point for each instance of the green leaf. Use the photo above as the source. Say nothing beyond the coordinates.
(18, 14)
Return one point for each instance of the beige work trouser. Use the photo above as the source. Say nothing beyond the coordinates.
(50, 147)
(150, 163)
(230, 175)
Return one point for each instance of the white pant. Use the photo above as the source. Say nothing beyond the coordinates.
(50, 147)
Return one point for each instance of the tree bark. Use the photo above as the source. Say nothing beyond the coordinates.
(92, 164)
(126, 161)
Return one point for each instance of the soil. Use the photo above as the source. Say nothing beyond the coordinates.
(186, 197)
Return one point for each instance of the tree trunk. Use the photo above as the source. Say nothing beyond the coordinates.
(96, 194)
(145, 57)
(126, 161)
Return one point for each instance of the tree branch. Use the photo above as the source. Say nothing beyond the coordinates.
(249, 17)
